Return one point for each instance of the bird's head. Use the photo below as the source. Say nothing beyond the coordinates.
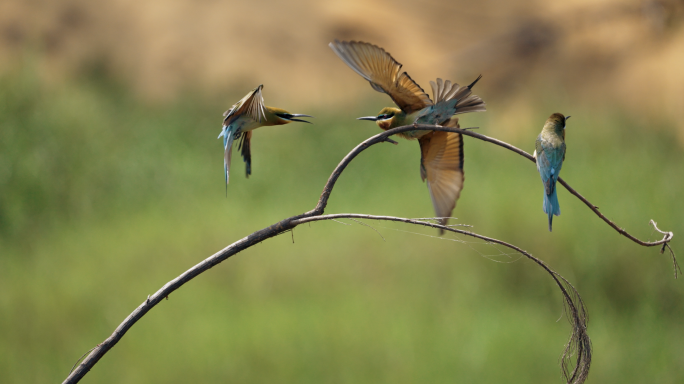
(281, 116)
(557, 121)
(386, 119)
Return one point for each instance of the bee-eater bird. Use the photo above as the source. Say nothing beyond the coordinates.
(441, 161)
(550, 153)
(245, 116)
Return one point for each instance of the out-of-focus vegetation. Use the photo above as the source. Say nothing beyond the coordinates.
(106, 198)
(111, 184)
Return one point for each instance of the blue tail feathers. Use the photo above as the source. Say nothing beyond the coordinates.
(228, 138)
(551, 206)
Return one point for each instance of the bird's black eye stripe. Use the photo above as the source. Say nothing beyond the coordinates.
(284, 115)
(383, 117)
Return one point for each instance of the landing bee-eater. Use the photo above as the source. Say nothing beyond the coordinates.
(550, 153)
(245, 116)
(441, 161)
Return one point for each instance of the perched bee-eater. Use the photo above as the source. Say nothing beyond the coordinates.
(441, 161)
(550, 153)
(245, 116)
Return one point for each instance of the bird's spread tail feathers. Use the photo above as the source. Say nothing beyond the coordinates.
(551, 206)
(461, 99)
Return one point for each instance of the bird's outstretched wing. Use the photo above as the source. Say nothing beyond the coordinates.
(383, 73)
(441, 164)
(252, 104)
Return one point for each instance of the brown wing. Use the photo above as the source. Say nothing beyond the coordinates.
(383, 73)
(442, 166)
(252, 104)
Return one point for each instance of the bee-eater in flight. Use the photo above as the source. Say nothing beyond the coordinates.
(550, 153)
(441, 161)
(245, 116)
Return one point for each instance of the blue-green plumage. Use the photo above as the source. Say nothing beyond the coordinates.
(550, 154)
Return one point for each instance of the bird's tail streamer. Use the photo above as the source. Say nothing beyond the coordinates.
(228, 137)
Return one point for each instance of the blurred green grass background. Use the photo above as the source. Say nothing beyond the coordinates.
(106, 197)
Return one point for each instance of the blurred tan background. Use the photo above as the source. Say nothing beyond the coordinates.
(111, 184)
(628, 52)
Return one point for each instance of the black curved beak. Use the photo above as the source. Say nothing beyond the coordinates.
(291, 117)
(567, 117)
(371, 118)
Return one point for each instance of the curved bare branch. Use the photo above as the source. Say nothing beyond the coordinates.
(579, 342)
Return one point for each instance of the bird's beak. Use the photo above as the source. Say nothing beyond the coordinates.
(298, 115)
(567, 117)
(371, 118)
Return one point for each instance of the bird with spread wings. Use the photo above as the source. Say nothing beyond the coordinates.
(245, 116)
(441, 162)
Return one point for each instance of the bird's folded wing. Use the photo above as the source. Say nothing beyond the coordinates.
(252, 104)
(442, 166)
(549, 163)
(383, 72)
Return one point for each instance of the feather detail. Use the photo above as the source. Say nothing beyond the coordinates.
(252, 105)
(442, 168)
(551, 206)
(383, 72)
(549, 153)
(246, 152)
(450, 99)
(465, 101)
(228, 150)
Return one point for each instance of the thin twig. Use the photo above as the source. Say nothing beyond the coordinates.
(81, 358)
(366, 225)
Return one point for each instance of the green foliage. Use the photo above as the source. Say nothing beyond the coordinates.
(104, 199)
